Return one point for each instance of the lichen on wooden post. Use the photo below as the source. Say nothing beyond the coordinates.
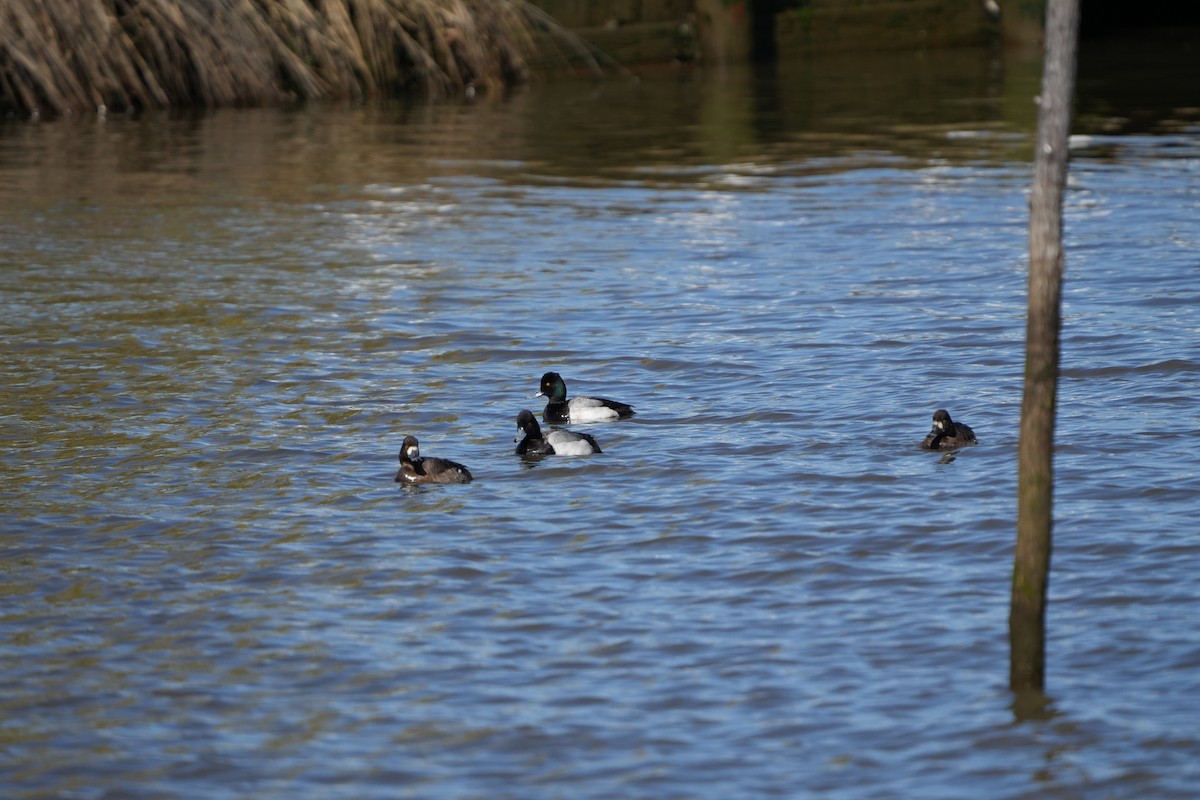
(1035, 482)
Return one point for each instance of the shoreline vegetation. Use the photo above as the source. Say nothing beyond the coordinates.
(61, 57)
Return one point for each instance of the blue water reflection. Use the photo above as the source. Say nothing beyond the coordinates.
(761, 588)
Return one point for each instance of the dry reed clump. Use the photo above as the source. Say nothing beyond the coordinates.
(63, 56)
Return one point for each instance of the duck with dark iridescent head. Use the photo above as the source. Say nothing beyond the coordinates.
(554, 442)
(578, 409)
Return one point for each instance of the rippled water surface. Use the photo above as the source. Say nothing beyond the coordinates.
(217, 330)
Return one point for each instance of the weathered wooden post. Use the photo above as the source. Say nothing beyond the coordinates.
(1035, 481)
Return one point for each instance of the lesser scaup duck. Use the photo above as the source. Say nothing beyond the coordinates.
(947, 434)
(577, 409)
(414, 469)
(556, 442)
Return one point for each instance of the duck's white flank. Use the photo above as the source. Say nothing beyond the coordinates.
(566, 444)
(589, 409)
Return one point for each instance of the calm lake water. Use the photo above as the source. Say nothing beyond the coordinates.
(218, 329)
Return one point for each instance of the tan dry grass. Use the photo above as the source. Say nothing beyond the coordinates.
(64, 56)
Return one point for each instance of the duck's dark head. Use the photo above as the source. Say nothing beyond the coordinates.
(528, 425)
(409, 450)
(553, 387)
(943, 427)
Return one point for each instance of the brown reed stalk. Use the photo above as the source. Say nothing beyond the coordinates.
(76, 56)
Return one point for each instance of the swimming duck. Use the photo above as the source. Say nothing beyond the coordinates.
(556, 442)
(414, 469)
(947, 434)
(577, 409)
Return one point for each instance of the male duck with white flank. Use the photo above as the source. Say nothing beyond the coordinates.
(414, 469)
(947, 434)
(556, 442)
(578, 409)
